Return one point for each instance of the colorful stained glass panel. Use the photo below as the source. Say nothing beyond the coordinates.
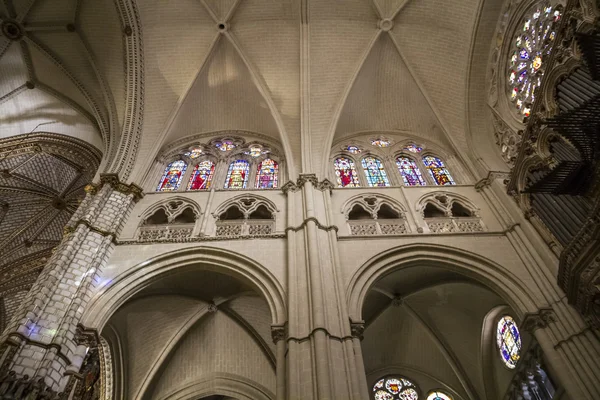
(172, 177)
(411, 175)
(437, 395)
(353, 149)
(508, 339)
(194, 153)
(345, 172)
(266, 175)
(438, 171)
(374, 172)
(202, 176)
(413, 148)
(237, 175)
(381, 142)
(225, 145)
(392, 388)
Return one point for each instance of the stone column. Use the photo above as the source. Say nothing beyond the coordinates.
(40, 339)
(279, 335)
(321, 357)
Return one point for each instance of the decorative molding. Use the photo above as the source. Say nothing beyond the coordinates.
(540, 319)
(68, 230)
(278, 332)
(127, 189)
(197, 239)
(357, 329)
(313, 219)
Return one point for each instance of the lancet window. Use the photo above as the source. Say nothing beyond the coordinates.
(172, 176)
(375, 172)
(438, 171)
(411, 175)
(345, 172)
(237, 175)
(267, 174)
(202, 176)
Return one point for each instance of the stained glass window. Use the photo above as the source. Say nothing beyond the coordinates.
(413, 148)
(237, 175)
(380, 142)
(438, 171)
(353, 149)
(508, 339)
(345, 172)
(225, 145)
(410, 172)
(202, 176)
(256, 151)
(194, 153)
(437, 395)
(530, 50)
(375, 172)
(171, 179)
(266, 175)
(392, 388)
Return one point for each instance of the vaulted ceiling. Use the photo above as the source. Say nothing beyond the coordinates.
(306, 73)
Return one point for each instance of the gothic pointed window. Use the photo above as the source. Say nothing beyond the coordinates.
(395, 388)
(374, 172)
(345, 172)
(529, 53)
(202, 176)
(508, 339)
(237, 175)
(438, 171)
(437, 395)
(171, 179)
(266, 175)
(411, 175)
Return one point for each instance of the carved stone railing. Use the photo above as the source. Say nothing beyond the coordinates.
(165, 232)
(452, 225)
(378, 227)
(245, 228)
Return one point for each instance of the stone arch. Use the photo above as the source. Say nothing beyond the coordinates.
(473, 266)
(247, 205)
(372, 203)
(221, 384)
(174, 206)
(446, 205)
(126, 285)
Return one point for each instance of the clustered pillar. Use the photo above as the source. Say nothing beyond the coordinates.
(40, 341)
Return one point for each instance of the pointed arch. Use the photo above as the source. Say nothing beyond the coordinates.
(410, 172)
(172, 177)
(202, 176)
(374, 171)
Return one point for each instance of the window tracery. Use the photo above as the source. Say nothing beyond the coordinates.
(172, 176)
(172, 220)
(202, 176)
(395, 388)
(381, 142)
(374, 172)
(531, 47)
(374, 215)
(508, 339)
(445, 212)
(413, 148)
(267, 174)
(194, 152)
(246, 215)
(438, 171)
(345, 172)
(411, 175)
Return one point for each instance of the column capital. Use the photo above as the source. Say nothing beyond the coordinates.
(357, 329)
(113, 181)
(278, 332)
(540, 319)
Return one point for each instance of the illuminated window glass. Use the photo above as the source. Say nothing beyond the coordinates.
(237, 175)
(256, 151)
(353, 149)
(413, 148)
(411, 175)
(438, 171)
(380, 142)
(225, 145)
(171, 179)
(437, 395)
(393, 388)
(345, 172)
(530, 51)
(194, 153)
(266, 175)
(375, 172)
(202, 176)
(508, 339)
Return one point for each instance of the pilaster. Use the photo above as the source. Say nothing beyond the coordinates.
(40, 340)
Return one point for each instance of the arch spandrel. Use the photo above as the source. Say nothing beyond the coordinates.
(115, 291)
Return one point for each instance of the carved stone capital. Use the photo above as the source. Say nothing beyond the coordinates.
(325, 185)
(304, 178)
(540, 319)
(127, 189)
(289, 187)
(357, 329)
(278, 332)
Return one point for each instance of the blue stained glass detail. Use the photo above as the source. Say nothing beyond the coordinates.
(266, 175)
(172, 177)
(375, 172)
(237, 175)
(524, 54)
(508, 339)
